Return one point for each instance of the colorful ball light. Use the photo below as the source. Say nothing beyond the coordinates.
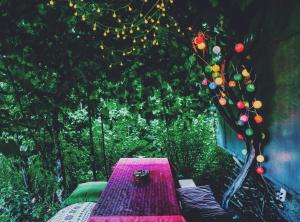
(216, 49)
(231, 83)
(258, 119)
(240, 136)
(205, 82)
(201, 46)
(245, 73)
(257, 104)
(240, 105)
(212, 86)
(237, 77)
(260, 170)
(199, 39)
(222, 101)
(215, 74)
(208, 69)
(250, 88)
(240, 123)
(246, 103)
(249, 132)
(219, 81)
(244, 152)
(244, 118)
(215, 68)
(260, 158)
(239, 47)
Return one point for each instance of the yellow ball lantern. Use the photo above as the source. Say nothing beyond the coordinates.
(260, 158)
(201, 46)
(215, 68)
(245, 73)
(219, 81)
(257, 104)
(246, 104)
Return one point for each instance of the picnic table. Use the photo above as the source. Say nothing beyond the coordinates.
(123, 200)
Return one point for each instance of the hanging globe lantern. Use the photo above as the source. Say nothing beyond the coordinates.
(239, 47)
(240, 105)
(249, 132)
(215, 68)
(245, 73)
(222, 101)
(250, 88)
(260, 158)
(257, 104)
(244, 152)
(260, 170)
(201, 46)
(231, 83)
(237, 77)
(205, 82)
(240, 136)
(219, 81)
(244, 118)
(208, 68)
(216, 49)
(215, 74)
(246, 103)
(212, 86)
(199, 39)
(240, 123)
(258, 119)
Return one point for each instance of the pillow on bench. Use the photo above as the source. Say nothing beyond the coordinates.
(199, 204)
(86, 192)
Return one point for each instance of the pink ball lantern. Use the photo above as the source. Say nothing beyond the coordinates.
(240, 105)
(205, 82)
(240, 136)
(239, 47)
(260, 170)
(222, 101)
(244, 118)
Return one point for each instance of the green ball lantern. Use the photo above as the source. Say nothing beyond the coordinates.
(237, 77)
(249, 132)
(250, 88)
(208, 69)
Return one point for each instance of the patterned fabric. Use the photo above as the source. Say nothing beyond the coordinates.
(79, 212)
(122, 197)
(199, 204)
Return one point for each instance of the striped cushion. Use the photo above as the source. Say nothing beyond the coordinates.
(78, 212)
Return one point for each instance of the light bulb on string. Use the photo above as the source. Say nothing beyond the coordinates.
(119, 20)
(129, 8)
(98, 10)
(51, 2)
(94, 27)
(71, 4)
(83, 18)
(114, 14)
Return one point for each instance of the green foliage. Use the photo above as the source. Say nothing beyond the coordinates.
(71, 118)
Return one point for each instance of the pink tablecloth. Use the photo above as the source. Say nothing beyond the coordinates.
(124, 201)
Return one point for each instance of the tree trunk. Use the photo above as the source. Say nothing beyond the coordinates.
(103, 147)
(92, 146)
(60, 171)
(238, 182)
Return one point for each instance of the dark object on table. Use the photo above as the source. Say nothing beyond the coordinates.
(199, 204)
(140, 176)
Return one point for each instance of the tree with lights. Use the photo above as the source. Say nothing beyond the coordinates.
(231, 84)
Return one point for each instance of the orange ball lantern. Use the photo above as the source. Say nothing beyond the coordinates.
(231, 83)
(258, 119)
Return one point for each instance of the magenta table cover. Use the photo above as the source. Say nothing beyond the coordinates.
(123, 200)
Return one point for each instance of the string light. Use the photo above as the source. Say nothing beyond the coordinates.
(51, 2)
